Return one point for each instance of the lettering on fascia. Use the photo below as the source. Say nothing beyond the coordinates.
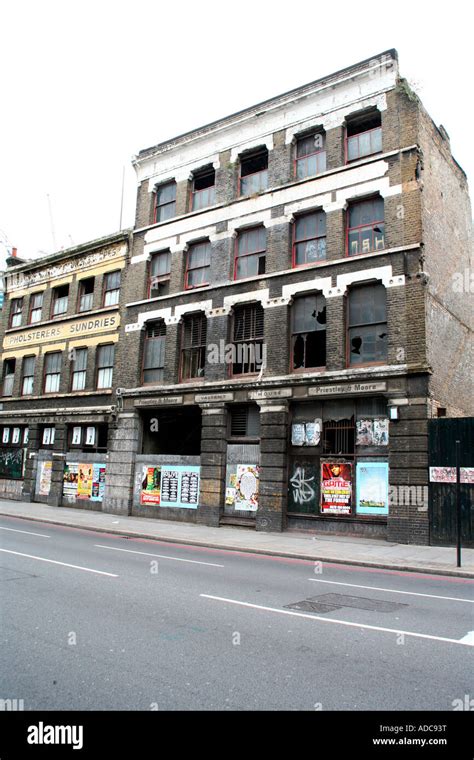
(67, 330)
(27, 280)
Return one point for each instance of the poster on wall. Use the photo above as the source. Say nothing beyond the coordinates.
(170, 486)
(448, 475)
(84, 481)
(336, 488)
(16, 435)
(246, 491)
(313, 433)
(230, 497)
(364, 432)
(76, 436)
(98, 482)
(70, 476)
(381, 432)
(372, 488)
(6, 435)
(44, 478)
(151, 480)
(297, 434)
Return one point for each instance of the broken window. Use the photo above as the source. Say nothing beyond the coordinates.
(204, 189)
(364, 135)
(309, 332)
(154, 352)
(160, 271)
(198, 263)
(309, 238)
(193, 350)
(250, 253)
(367, 325)
(165, 201)
(86, 294)
(365, 224)
(253, 172)
(310, 155)
(247, 339)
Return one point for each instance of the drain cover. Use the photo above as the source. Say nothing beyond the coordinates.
(330, 602)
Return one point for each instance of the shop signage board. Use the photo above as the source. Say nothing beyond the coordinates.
(73, 329)
(336, 488)
(210, 397)
(169, 485)
(342, 390)
(372, 488)
(271, 393)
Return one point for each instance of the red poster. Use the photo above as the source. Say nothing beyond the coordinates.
(336, 488)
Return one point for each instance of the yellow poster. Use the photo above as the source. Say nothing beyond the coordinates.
(84, 481)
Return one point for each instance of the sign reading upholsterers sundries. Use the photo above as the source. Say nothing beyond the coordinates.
(62, 331)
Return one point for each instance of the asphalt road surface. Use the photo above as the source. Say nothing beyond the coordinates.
(92, 621)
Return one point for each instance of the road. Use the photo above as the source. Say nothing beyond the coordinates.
(92, 621)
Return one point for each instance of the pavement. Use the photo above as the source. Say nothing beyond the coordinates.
(320, 547)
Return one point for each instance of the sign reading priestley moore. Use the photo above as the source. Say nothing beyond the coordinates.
(62, 331)
(338, 390)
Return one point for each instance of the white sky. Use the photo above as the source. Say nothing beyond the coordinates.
(86, 85)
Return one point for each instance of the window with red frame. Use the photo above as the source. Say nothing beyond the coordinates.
(16, 312)
(204, 189)
(367, 324)
(165, 202)
(254, 172)
(250, 252)
(247, 347)
(160, 273)
(36, 307)
(154, 352)
(364, 136)
(198, 265)
(308, 339)
(60, 300)
(193, 346)
(309, 238)
(365, 232)
(310, 155)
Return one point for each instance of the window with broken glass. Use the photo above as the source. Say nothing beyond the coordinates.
(365, 226)
(308, 348)
(160, 273)
(367, 325)
(254, 172)
(204, 189)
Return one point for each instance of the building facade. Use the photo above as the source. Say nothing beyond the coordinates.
(59, 337)
(290, 319)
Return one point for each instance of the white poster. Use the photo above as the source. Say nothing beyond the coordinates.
(90, 436)
(16, 435)
(6, 435)
(246, 492)
(313, 433)
(76, 436)
(26, 435)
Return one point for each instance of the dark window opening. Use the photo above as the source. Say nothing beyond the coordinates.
(8, 377)
(339, 437)
(309, 332)
(367, 324)
(172, 432)
(87, 438)
(204, 191)
(254, 173)
(193, 352)
(245, 421)
(364, 135)
(60, 300)
(86, 294)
